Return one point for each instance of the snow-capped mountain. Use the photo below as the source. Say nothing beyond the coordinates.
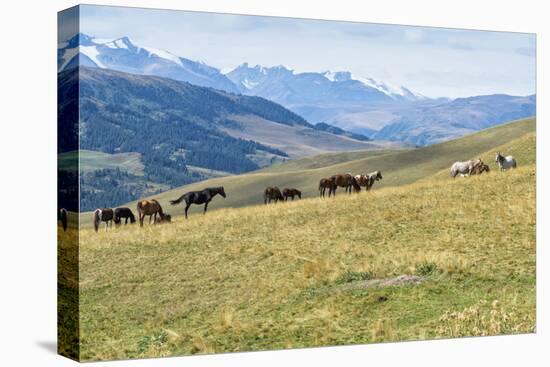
(123, 55)
(285, 85)
(357, 104)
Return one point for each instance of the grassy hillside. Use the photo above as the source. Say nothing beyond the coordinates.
(297, 275)
(522, 148)
(91, 161)
(398, 168)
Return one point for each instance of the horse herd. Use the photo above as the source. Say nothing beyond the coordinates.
(349, 182)
(477, 166)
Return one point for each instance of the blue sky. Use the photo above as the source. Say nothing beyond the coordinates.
(433, 61)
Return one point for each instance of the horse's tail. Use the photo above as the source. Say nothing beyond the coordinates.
(97, 219)
(178, 200)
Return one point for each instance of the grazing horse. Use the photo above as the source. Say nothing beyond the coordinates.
(479, 169)
(150, 208)
(325, 183)
(505, 162)
(62, 216)
(103, 215)
(345, 180)
(199, 197)
(125, 213)
(464, 168)
(167, 218)
(272, 193)
(291, 192)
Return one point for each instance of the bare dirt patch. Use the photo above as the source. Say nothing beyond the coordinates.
(385, 282)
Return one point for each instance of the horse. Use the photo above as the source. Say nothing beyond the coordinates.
(199, 197)
(505, 162)
(125, 213)
(325, 183)
(362, 180)
(62, 216)
(272, 193)
(167, 218)
(464, 168)
(344, 180)
(291, 192)
(103, 215)
(373, 176)
(479, 169)
(150, 208)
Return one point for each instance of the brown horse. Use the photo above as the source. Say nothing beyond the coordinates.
(345, 180)
(291, 193)
(103, 215)
(150, 208)
(324, 184)
(272, 193)
(480, 168)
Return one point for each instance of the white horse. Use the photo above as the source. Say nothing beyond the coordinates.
(373, 176)
(464, 168)
(505, 162)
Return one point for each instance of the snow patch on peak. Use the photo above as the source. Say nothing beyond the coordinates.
(337, 76)
(119, 43)
(389, 89)
(92, 53)
(248, 84)
(163, 54)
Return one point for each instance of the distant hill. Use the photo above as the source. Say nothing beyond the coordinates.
(398, 167)
(431, 124)
(173, 124)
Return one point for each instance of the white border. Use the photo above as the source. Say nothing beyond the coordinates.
(28, 123)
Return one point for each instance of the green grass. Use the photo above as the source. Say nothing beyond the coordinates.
(277, 276)
(267, 277)
(92, 161)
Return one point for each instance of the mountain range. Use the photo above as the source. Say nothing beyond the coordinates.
(356, 105)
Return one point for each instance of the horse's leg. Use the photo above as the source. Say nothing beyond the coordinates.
(186, 209)
(205, 207)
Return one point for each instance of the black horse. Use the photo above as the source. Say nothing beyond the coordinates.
(125, 213)
(199, 197)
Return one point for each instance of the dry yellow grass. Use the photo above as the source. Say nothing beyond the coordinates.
(264, 277)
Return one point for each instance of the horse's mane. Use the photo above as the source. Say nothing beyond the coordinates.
(215, 188)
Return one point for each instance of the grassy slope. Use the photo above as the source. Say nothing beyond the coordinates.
(91, 161)
(398, 167)
(266, 277)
